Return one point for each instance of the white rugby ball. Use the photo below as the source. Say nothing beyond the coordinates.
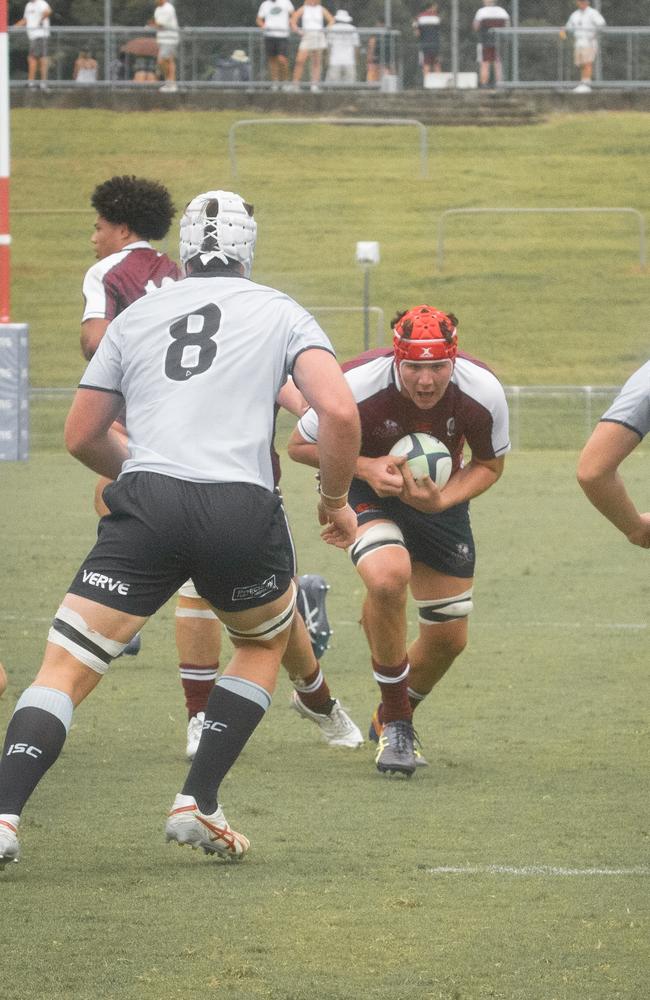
(426, 455)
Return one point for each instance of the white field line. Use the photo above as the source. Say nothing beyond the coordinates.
(527, 870)
(343, 623)
(631, 626)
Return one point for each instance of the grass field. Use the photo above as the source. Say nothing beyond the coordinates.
(514, 867)
(538, 748)
(539, 297)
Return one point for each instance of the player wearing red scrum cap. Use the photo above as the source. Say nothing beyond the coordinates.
(414, 535)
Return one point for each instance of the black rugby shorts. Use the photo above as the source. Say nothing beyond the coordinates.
(442, 541)
(232, 539)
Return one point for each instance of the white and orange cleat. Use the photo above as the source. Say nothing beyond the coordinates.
(186, 824)
(9, 846)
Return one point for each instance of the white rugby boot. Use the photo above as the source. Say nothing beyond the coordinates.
(337, 728)
(9, 846)
(187, 825)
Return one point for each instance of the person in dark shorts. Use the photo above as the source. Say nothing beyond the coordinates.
(273, 17)
(412, 535)
(487, 18)
(199, 365)
(427, 28)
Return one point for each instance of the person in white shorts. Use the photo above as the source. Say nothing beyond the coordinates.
(584, 24)
(313, 18)
(344, 44)
(167, 38)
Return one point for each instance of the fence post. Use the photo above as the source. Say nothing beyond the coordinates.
(14, 393)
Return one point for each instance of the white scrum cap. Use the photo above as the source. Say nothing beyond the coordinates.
(219, 224)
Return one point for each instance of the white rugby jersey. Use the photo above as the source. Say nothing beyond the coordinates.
(632, 405)
(473, 409)
(199, 365)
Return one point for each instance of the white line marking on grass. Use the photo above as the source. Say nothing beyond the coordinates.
(632, 626)
(549, 870)
(342, 623)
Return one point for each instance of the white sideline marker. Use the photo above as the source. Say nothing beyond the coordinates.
(548, 870)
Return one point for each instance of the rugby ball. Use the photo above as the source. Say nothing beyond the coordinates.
(426, 455)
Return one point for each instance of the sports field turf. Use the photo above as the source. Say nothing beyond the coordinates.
(516, 865)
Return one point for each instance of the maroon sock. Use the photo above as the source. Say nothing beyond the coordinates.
(393, 684)
(197, 682)
(314, 692)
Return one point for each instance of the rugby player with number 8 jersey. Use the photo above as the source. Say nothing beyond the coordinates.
(199, 366)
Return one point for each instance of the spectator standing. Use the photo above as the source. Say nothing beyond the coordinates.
(427, 28)
(622, 427)
(167, 37)
(344, 44)
(584, 24)
(36, 19)
(85, 68)
(313, 18)
(274, 19)
(486, 19)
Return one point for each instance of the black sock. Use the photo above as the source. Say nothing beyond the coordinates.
(230, 719)
(34, 740)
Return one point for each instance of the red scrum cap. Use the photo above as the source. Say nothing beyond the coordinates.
(425, 334)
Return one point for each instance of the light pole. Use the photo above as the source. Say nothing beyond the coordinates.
(367, 256)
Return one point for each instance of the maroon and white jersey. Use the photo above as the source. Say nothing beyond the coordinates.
(116, 281)
(490, 17)
(473, 409)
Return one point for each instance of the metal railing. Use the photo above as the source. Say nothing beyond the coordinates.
(539, 57)
(542, 417)
(203, 59)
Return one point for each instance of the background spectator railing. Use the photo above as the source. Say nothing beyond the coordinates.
(537, 57)
(532, 57)
(127, 56)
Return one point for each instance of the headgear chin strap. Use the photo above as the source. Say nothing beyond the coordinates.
(218, 224)
(425, 334)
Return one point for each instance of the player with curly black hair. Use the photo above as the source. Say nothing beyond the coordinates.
(144, 206)
(130, 212)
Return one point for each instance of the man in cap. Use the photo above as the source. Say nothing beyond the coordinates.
(344, 44)
(412, 534)
(199, 367)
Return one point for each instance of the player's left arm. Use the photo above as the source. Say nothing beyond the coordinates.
(473, 479)
(89, 436)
